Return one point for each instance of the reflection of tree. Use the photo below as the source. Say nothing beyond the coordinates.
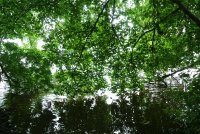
(132, 113)
(5, 127)
(44, 123)
(26, 117)
(80, 116)
(139, 113)
(20, 112)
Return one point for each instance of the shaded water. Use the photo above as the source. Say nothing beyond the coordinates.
(129, 114)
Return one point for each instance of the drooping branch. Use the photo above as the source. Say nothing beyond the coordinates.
(112, 23)
(112, 20)
(179, 70)
(138, 39)
(9, 79)
(97, 20)
(187, 12)
(87, 37)
(156, 27)
(169, 15)
(157, 23)
(171, 74)
(93, 28)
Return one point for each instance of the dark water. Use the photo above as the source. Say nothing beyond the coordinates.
(133, 113)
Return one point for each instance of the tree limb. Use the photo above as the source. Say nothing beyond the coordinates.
(153, 29)
(144, 33)
(10, 80)
(112, 19)
(93, 28)
(171, 74)
(169, 15)
(135, 43)
(187, 12)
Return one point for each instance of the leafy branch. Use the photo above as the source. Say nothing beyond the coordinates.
(93, 28)
(156, 27)
(179, 70)
(10, 80)
(87, 37)
(187, 12)
(140, 37)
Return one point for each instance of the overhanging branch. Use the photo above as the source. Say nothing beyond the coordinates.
(157, 23)
(9, 79)
(187, 12)
(93, 28)
(171, 74)
(169, 15)
(179, 70)
(144, 33)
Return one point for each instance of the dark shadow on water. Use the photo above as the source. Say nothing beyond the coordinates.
(130, 114)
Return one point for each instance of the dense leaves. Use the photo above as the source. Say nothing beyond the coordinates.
(84, 41)
(77, 47)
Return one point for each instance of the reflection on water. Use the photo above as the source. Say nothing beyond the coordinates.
(3, 91)
(129, 114)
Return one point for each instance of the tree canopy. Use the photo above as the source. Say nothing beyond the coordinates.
(81, 46)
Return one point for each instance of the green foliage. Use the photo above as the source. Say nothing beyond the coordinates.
(77, 47)
(88, 40)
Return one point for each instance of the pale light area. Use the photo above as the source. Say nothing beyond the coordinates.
(35, 14)
(48, 26)
(23, 60)
(117, 132)
(141, 74)
(192, 73)
(54, 69)
(48, 103)
(184, 30)
(40, 44)
(64, 67)
(196, 56)
(108, 80)
(85, 8)
(53, 97)
(3, 90)
(182, 78)
(61, 20)
(25, 40)
(130, 4)
(119, 19)
(109, 95)
(17, 41)
(103, 1)
(130, 24)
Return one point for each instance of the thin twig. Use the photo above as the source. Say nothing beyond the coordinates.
(135, 43)
(144, 33)
(153, 29)
(93, 28)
